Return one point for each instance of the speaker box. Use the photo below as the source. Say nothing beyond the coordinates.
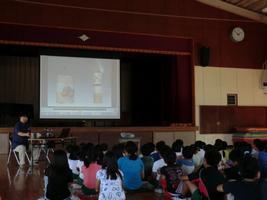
(204, 56)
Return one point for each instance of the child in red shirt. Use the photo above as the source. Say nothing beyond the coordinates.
(92, 164)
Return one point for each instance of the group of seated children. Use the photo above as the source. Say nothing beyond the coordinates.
(198, 171)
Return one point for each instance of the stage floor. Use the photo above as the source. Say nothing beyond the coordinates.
(27, 184)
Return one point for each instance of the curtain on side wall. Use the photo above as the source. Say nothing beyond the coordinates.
(19, 80)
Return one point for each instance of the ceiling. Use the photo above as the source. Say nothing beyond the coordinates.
(251, 9)
(253, 5)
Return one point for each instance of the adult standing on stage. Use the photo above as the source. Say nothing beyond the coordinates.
(20, 137)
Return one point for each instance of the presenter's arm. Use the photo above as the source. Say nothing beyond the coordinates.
(24, 134)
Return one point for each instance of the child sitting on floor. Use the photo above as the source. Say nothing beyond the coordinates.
(147, 160)
(84, 149)
(159, 163)
(177, 147)
(109, 179)
(132, 167)
(232, 169)
(200, 146)
(104, 148)
(73, 160)
(262, 158)
(196, 157)
(170, 174)
(92, 164)
(155, 154)
(118, 150)
(251, 187)
(156, 169)
(187, 164)
(58, 176)
(209, 177)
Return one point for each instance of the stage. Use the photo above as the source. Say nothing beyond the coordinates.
(111, 135)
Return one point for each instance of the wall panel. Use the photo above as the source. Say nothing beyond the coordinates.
(244, 82)
(245, 87)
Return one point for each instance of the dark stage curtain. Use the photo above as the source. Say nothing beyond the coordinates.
(184, 89)
(176, 87)
(19, 80)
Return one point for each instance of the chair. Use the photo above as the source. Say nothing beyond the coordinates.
(46, 149)
(47, 153)
(15, 154)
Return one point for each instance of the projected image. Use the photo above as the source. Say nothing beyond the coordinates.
(80, 82)
(74, 87)
(98, 93)
(65, 89)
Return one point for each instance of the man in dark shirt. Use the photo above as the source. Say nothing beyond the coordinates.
(20, 137)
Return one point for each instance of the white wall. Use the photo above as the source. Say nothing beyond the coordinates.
(212, 84)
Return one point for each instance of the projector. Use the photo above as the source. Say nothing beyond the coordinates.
(125, 135)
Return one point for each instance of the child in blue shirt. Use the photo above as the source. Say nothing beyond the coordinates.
(132, 167)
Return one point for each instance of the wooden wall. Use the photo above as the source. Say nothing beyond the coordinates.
(224, 119)
(184, 18)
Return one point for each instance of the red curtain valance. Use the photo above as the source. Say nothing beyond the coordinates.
(57, 37)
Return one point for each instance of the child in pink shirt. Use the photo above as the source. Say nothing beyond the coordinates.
(92, 164)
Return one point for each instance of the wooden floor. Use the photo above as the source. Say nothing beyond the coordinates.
(27, 184)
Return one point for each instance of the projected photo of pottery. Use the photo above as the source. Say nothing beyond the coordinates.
(65, 89)
(97, 85)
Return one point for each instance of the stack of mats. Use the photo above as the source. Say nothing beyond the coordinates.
(249, 134)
